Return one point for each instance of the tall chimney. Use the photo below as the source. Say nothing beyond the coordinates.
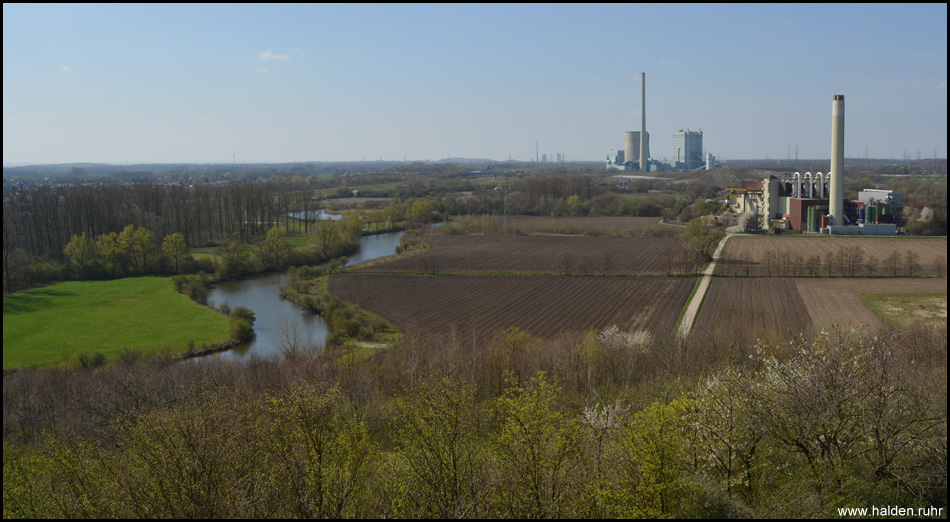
(836, 185)
(643, 122)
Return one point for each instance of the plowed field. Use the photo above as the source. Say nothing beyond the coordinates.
(745, 308)
(543, 306)
(606, 225)
(541, 254)
(789, 256)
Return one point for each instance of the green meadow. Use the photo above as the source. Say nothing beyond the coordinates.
(903, 310)
(48, 325)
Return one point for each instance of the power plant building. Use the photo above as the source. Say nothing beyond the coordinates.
(687, 147)
(687, 150)
(815, 203)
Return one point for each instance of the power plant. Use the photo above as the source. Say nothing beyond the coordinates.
(687, 147)
(815, 203)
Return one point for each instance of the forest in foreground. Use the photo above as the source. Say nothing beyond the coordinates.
(607, 424)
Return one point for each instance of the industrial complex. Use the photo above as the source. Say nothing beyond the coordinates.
(687, 148)
(815, 203)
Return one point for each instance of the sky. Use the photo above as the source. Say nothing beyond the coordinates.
(276, 83)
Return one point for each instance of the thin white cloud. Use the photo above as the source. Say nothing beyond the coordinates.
(267, 55)
(664, 61)
(262, 71)
(22, 116)
(895, 87)
(66, 68)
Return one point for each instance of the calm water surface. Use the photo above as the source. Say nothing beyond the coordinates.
(278, 319)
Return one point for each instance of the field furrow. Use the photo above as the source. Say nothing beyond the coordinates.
(544, 306)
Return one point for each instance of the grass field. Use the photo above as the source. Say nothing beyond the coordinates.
(903, 310)
(44, 326)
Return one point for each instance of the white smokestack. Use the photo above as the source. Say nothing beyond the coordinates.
(836, 183)
(643, 122)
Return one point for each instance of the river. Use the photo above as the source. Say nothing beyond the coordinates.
(279, 320)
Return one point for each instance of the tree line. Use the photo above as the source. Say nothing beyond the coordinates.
(844, 262)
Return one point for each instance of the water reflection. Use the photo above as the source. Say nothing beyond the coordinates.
(280, 323)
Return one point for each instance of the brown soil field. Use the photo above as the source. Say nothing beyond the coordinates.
(541, 254)
(357, 202)
(835, 301)
(580, 225)
(799, 256)
(543, 306)
(746, 308)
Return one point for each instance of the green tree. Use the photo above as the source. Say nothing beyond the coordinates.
(108, 246)
(421, 211)
(703, 238)
(80, 248)
(242, 323)
(352, 224)
(174, 247)
(536, 451)
(446, 467)
(653, 462)
(573, 202)
(320, 456)
(325, 234)
(273, 250)
(139, 243)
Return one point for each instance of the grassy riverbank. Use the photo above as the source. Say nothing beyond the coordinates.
(60, 322)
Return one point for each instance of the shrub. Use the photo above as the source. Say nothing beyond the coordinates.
(92, 361)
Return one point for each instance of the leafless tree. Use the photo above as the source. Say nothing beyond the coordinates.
(911, 262)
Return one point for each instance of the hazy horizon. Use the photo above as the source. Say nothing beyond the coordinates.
(216, 84)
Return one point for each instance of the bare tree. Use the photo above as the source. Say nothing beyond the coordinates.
(911, 262)
(870, 264)
(892, 262)
(854, 258)
(940, 264)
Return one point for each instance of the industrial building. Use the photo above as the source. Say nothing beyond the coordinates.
(801, 203)
(815, 203)
(687, 148)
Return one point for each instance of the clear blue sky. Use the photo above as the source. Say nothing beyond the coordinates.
(276, 83)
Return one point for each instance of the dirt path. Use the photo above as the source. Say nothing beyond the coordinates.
(693, 309)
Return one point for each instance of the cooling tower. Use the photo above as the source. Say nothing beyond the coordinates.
(836, 183)
(632, 144)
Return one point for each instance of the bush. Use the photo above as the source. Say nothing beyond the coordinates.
(197, 291)
(241, 329)
(92, 361)
(243, 312)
